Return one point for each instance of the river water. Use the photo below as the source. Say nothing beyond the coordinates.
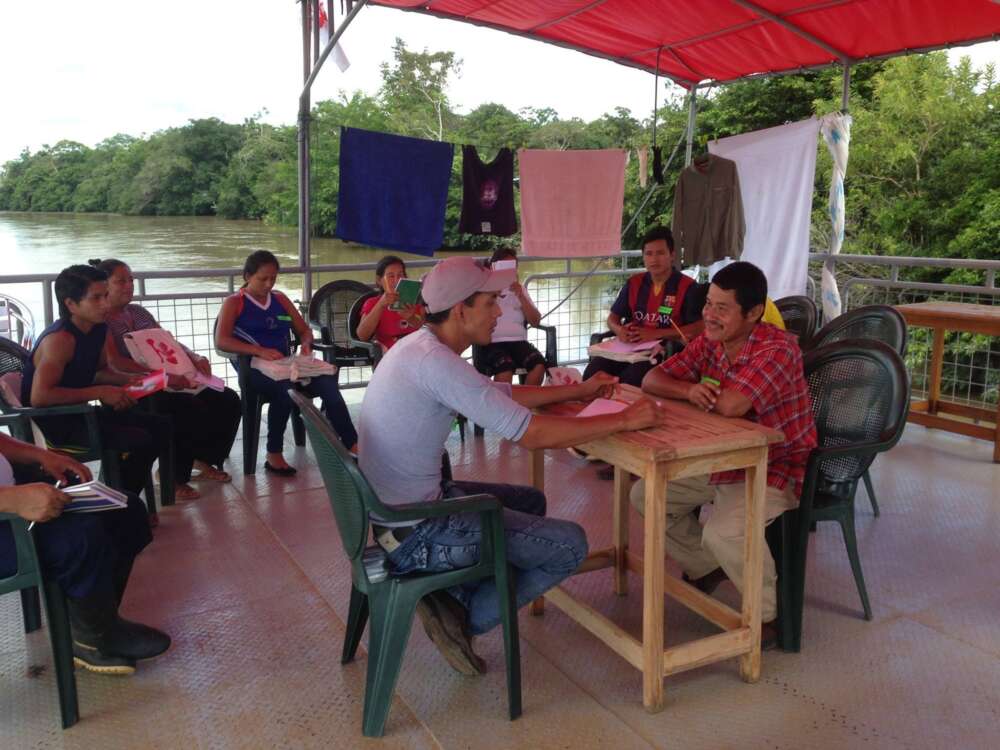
(34, 243)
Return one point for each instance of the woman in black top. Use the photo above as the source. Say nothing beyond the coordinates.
(69, 366)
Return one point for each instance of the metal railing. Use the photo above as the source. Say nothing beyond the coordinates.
(971, 364)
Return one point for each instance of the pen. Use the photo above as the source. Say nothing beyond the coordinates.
(679, 331)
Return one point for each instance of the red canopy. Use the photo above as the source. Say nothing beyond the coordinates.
(723, 40)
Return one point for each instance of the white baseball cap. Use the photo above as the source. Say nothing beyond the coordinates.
(458, 278)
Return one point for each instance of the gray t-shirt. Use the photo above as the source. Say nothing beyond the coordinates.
(408, 411)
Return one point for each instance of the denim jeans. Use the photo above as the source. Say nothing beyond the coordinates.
(541, 551)
(280, 407)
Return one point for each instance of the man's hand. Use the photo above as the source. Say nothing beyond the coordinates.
(704, 395)
(269, 354)
(644, 413)
(116, 397)
(58, 466)
(629, 333)
(306, 347)
(40, 502)
(598, 385)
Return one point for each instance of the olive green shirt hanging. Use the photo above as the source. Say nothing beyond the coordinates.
(708, 211)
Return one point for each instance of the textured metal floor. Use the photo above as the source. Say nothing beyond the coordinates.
(251, 582)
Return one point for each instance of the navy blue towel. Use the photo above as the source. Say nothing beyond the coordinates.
(393, 190)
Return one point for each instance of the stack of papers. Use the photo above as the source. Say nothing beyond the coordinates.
(91, 497)
(600, 406)
(617, 345)
(155, 381)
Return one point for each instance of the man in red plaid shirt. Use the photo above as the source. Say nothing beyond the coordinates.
(739, 367)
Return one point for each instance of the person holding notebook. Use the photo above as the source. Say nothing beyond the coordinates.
(90, 555)
(379, 317)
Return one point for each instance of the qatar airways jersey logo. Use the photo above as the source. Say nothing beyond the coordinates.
(660, 318)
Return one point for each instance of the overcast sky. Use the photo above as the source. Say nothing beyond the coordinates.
(85, 71)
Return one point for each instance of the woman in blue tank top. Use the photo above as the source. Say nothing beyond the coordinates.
(257, 321)
(69, 366)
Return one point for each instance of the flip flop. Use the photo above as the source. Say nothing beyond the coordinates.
(184, 493)
(211, 474)
(281, 471)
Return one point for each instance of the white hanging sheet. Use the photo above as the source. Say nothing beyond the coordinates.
(777, 167)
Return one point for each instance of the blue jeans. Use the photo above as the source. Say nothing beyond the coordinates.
(280, 407)
(542, 551)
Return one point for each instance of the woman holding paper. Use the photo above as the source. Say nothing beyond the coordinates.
(69, 366)
(205, 422)
(378, 318)
(654, 306)
(257, 321)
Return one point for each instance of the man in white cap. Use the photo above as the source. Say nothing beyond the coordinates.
(408, 411)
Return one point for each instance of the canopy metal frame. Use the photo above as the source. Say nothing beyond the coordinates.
(313, 59)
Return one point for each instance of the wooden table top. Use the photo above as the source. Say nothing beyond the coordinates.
(690, 432)
(959, 316)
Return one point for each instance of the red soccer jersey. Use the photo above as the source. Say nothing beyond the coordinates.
(768, 371)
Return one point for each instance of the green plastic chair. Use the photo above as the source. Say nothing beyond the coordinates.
(29, 578)
(860, 395)
(390, 601)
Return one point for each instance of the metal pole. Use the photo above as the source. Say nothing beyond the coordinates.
(845, 93)
(692, 109)
(47, 303)
(303, 155)
(315, 29)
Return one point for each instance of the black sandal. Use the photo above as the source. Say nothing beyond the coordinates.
(284, 471)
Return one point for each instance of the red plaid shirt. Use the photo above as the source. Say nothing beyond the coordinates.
(768, 371)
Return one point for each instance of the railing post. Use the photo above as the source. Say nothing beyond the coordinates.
(47, 303)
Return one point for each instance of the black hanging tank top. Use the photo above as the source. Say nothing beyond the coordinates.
(488, 194)
(81, 370)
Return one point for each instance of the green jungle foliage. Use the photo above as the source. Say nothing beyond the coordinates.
(923, 178)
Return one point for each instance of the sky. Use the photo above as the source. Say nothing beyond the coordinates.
(86, 71)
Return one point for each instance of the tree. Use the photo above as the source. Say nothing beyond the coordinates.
(413, 91)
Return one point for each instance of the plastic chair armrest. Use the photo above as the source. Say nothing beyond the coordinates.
(551, 347)
(51, 411)
(597, 338)
(446, 507)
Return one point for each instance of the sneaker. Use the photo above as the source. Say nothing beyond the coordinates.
(445, 622)
(93, 660)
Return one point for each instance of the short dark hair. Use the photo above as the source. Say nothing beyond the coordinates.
(388, 260)
(659, 233)
(108, 265)
(503, 253)
(442, 315)
(73, 283)
(259, 258)
(748, 281)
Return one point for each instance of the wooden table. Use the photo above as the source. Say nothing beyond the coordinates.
(953, 316)
(695, 444)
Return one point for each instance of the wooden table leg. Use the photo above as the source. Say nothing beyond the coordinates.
(654, 551)
(536, 475)
(753, 564)
(937, 355)
(619, 531)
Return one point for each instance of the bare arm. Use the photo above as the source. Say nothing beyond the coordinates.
(53, 354)
(54, 464)
(299, 325)
(562, 432)
(533, 396)
(704, 395)
(120, 363)
(224, 338)
(528, 308)
(369, 322)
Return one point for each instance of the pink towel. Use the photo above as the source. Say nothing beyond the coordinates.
(571, 202)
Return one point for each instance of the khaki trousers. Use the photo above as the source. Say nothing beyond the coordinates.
(700, 550)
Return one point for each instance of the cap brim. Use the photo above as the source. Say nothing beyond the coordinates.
(499, 280)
